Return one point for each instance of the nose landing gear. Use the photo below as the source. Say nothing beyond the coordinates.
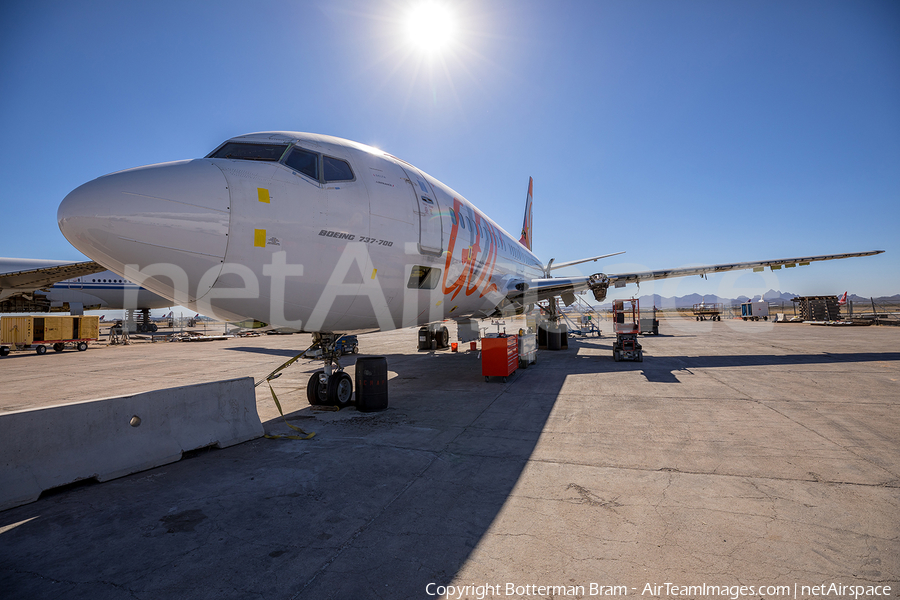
(331, 385)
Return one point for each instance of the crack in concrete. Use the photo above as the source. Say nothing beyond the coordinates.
(885, 484)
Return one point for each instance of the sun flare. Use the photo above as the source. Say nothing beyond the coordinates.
(430, 27)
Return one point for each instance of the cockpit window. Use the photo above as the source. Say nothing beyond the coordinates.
(337, 170)
(245, 151)
(304, 161)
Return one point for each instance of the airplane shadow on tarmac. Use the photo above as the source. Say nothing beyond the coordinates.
(376, 505)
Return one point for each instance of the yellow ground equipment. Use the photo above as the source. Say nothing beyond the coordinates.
(18, 333)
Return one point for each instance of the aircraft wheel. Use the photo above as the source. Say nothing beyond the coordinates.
(41, 349)
(58, 347)
(339, 391)
(82, 346)
(765, 318)
(315, 391)
(153, 327)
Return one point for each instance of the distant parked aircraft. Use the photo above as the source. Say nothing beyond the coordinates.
(35, 285)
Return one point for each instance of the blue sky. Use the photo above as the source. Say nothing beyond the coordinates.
(682, 132)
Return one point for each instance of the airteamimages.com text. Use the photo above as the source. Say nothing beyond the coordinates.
(657, 590)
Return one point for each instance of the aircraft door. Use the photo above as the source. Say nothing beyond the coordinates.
(430, 231)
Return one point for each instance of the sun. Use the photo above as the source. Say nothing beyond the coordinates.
(430, 27)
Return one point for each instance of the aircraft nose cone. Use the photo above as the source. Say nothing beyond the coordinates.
(164, 226)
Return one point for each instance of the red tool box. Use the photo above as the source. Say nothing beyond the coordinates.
(499, 356)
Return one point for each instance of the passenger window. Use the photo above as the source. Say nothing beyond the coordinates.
(452, 216)
(337, 170)
(423, 278)
(304, 161)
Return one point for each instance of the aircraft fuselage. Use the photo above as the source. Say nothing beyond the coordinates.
(299, 230)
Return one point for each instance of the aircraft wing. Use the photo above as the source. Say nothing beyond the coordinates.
(566, 287)
(23, 282)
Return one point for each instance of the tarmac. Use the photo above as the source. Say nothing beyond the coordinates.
(736, 454)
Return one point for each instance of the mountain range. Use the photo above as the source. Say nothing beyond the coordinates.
(772, 296)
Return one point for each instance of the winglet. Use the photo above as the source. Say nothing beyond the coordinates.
(525, 240)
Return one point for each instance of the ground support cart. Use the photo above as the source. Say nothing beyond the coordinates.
(348, 344)
(704, 311)
(527, 350)
(649, 322)
(754, 311)
(19, 333)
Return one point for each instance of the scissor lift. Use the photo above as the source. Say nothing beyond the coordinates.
(626, 315)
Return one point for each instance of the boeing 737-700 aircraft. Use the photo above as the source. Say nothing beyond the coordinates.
(35, 285)
(324, 235)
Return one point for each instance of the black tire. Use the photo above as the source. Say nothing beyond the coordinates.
(82, 346)
(766, 318)
(355, 349)
(41, 349)
(445, 337)
(57, 347)
(339, 391)
(154, 327)
(4, 351)
(486, 378)
(640, 357)
(315, 391)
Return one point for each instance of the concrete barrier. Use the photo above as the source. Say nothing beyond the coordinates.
(103, 439)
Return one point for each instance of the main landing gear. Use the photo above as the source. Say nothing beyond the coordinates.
(331, 385)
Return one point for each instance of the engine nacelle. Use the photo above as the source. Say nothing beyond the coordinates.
(599, 284)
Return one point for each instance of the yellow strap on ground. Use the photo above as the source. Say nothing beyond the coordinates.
(269, 377)
(305, 436)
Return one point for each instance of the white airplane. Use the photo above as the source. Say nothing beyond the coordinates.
(327, 236)
(35, 285)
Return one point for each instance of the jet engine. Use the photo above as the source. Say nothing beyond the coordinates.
(599, 284)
